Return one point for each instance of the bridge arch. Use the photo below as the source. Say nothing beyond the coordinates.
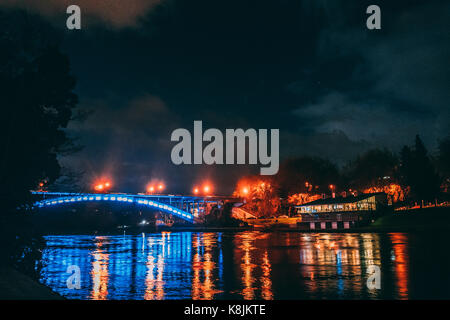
(61, 200)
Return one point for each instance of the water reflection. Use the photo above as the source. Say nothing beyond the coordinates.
(254, 264)
(400, 256)
(246, 265)
(154, 283)
(266, 283)
(99, 271)
(204, 267)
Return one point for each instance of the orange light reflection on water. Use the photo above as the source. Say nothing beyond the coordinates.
(203, 266)
(255, 266)
(154, 286)
(401, 270)
(330, 260)
(247, 268)
(266, 282)
(99, 272)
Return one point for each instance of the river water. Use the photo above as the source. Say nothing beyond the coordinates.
(248, 265)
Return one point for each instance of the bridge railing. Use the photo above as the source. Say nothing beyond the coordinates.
(72, 198)
(186, 207)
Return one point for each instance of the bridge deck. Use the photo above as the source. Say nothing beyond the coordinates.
(154, 196)
(180, 206)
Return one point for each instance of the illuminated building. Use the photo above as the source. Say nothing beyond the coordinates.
(341, 212)
(364, 202)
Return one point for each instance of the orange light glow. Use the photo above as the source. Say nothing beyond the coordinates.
(99, 273)
(259, 195)
(301, 198)
(394, 192)
(195, 190)
(102, 185)
(155, 185)
(206, 189)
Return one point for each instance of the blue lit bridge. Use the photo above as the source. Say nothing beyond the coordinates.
(183, 207)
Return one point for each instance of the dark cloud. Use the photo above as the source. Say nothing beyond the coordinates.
(116, 13)
(397, 84)
(310, 68)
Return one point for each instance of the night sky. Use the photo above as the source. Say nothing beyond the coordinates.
(310, 68)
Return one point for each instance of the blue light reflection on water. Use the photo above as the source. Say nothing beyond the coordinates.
(245, 265)
(148, 266)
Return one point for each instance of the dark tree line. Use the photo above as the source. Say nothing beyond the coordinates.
(37, 103)
(419, 175)
(417, 171)
(443, 162)
(306, 174)
(370, 169)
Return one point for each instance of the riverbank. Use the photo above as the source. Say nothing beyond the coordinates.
(20, 249)
(416, 220)
(426, 219)
(17, 286)
(399, 221)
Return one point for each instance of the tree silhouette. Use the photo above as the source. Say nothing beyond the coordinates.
(306, 174)
(374, 168)
(260, 195)
(443, 161)
(36, 105)
(417, 171)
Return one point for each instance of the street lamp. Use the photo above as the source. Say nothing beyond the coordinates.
(333, 194)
